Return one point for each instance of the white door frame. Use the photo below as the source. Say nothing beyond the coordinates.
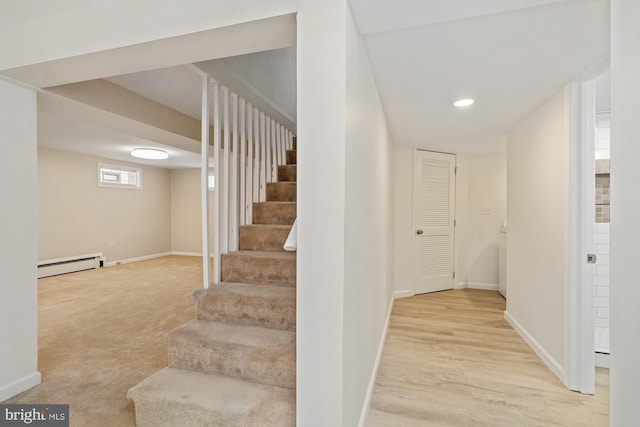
(580, 348)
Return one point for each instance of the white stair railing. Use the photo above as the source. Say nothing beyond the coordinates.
(247, 147)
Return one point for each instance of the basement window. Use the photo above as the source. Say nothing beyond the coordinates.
(116, 176)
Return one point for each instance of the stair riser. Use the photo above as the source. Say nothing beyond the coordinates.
(274, 366)
(291, 157)
(247, 269)
(263, 238)
(274, 213)
(287, 173)
(281, 192)
(276, 312)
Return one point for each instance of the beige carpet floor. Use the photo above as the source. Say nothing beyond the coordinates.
(102, 331)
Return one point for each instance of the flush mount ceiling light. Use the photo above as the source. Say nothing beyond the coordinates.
(463, 102)
(149, 153)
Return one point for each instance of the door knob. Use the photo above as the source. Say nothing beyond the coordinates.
(419, 231)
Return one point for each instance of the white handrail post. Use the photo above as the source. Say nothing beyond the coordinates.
(233, 178)
(243, 163)
(225, 198)
(216, 183)
(250, 163)
(204, 180)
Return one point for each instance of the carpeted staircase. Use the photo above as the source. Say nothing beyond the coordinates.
(235, 364)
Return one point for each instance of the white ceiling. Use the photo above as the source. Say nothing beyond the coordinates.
(509, 55)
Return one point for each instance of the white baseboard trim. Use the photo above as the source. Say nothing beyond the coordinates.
(137, 259)
(603, 360)
(403, 294)
(7, 391)
(187, 253)
(477, 285)
(374, 373)
(554, 366)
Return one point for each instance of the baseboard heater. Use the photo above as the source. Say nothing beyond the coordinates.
(72, 264)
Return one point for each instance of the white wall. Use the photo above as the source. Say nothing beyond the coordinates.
(368, 245)
(403, 237)
(625, 211)
(321, 70)
(77, 217)
(18, 245)
(480, 182)
(537, 239)
(344, 218)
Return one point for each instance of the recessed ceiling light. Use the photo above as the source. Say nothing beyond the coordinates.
(149, 153)
(463, 102)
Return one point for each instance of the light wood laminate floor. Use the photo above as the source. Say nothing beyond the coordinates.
(450, 359)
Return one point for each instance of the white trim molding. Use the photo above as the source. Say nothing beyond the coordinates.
(536, 347)
(403, 294)
(374, 373)
(142, 258)
(7, 391)
(477, 285)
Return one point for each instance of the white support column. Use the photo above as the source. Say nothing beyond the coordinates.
(263, 151)
(233, 176)
(250, 165)
(256, 155)
(225, 195)
(216, 182)
(204, 181)
(243, 162)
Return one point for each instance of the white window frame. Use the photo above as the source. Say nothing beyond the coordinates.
(137, 171)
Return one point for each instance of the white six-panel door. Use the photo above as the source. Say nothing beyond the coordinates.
(434, 189)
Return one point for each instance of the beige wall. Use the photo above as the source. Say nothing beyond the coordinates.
(537, 203)
(78, 217)
(486, 189)
(186, 224)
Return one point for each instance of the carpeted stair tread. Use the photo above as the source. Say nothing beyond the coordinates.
(176, 397)
(281, 191)
(283, 213)
(251, 353)
(278, 268)
(287, 173)
(269, 306)
(263, 237)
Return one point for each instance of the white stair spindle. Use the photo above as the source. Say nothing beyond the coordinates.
(263, 150)
(243, 162)
(204, 180)
(225, 198)
(233, 173)
(216, 182)
(250, 164)
(268, 161)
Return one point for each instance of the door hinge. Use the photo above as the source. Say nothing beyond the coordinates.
(454, 274)
(454, 222)
(455, 170)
